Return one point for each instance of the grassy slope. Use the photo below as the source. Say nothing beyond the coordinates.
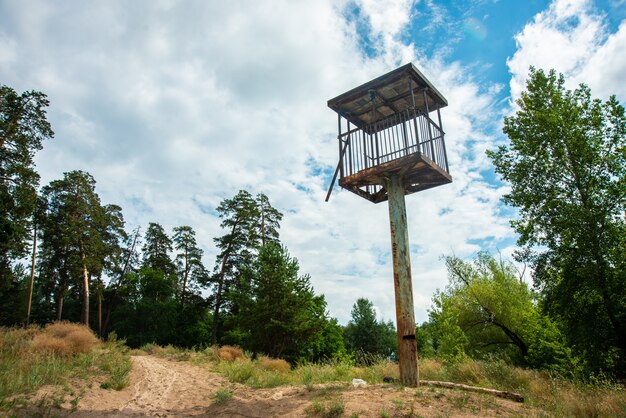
(57, 355)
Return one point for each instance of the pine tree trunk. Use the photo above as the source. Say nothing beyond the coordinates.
(100, 312)
(32, 275)
(220, 287)
(85, 313)
(185, 278)
(59, 306)
(118, 284)
(218, 301)
(262, 226)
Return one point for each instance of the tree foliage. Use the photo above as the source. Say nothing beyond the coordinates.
(278, 310)
(566, 164)
(156, 250)
(366, 337)
(486, 310)
(80, 237)
(85, 261)
(190, 269)
(249, 222)
(23, 129)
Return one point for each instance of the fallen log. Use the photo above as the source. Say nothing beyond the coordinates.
(499, 393)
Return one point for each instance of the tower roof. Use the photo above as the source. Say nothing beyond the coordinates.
(387, 95)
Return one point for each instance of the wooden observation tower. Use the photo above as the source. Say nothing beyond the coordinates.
(389, 146)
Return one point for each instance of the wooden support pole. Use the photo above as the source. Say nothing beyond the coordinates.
(407, 345)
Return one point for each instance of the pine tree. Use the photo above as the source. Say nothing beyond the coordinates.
(269, 219)
(366, 337)
(250, 222)
(23, 128)
(156, 250)
(191, 271)
(236, 247)
(78, 235)
(280, 312)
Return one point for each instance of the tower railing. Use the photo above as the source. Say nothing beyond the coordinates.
(399, 135)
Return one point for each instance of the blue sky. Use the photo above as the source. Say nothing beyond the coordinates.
(175, 105)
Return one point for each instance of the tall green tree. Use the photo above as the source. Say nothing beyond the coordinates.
(79, 234)
(157, 249)
(280, 312)
(236, 248)
(23, 129)
(269, 219)
(566, 164)
(149, 309)
(189, 266)
(111, 253)
(366, 337)
(250, 222)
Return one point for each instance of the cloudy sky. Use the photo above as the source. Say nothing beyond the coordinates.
(175, 105)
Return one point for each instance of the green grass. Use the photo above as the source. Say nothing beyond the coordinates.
(327, 408)
(222, 396)
(24, 368)
(249, 373)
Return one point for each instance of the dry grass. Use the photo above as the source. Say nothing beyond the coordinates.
(431, 369)
(57, 355)
(556, 396)
(273, 364)
(65, 339)
(230, 353)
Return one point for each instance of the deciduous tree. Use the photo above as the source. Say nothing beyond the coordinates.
(487, 310)
(566, 164)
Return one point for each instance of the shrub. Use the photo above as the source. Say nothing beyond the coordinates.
(65, 339)
(272, 364)
(230, 353)
(26, 363)
(222, 396)
(151, 348)
(238, 372)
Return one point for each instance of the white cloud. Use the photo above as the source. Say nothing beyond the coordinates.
(173, 106)
(574, 39)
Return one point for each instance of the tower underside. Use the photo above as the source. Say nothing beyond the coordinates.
(417, 171)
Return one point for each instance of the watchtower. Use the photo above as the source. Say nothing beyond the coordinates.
(389, 146)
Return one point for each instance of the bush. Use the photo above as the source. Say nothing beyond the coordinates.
(65, 339)
(272, 364)
(230, 353)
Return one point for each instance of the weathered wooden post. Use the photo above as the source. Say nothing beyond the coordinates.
(407, 345)
(390, 148)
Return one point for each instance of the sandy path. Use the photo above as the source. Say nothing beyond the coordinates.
(158, 388)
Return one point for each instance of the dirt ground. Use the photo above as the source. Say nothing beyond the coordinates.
(167, 388)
